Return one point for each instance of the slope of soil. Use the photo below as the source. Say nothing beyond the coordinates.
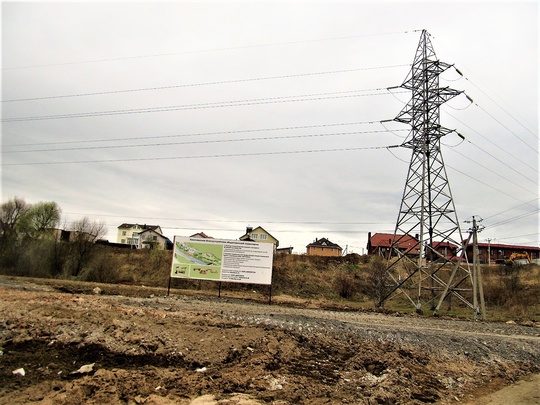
(151, 349)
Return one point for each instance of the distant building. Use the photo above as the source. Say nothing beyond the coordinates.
(496, 253)
(260, 235)
(151, 239)
(381, 243)
(323, 247)
(285, 250)
(201, 235)
(129, 233)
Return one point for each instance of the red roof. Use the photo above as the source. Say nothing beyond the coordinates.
(387, 239)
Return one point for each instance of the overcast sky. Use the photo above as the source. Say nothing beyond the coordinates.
(215, 116)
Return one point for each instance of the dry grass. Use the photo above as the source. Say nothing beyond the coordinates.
(353, 282)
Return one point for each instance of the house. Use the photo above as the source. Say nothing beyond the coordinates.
(260, 235)
(323, 247)
(498, 253)
(285, 250)
(151, 239)
(380, 244)
(129, 233)
(201, 235)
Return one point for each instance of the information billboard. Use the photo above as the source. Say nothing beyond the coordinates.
(222, 260)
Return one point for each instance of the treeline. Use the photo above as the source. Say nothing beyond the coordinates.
(33, 242)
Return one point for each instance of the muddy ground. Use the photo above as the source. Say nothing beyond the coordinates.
(133, 345)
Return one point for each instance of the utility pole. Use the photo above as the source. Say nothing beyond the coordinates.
(478, 290)
(427, 213)
(489, 250)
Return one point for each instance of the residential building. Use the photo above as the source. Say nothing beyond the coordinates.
(323, 247)
(496, 253)
(151, 239)
(380, 244)
(129, 233)
(260, 235)
(285, 250)
(201, 235)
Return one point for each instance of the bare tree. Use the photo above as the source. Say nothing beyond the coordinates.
(378, 279)
(84, 234)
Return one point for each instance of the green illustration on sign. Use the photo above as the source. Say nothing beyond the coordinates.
(197, 260)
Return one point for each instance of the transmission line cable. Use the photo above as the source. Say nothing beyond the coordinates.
(484, 183)
(498, 174)
(208, 50)
(505, 221)
(505, 151)
(201, 156)
(99, 93)
(493, 100)
(220, 104)
(511, 209)
(505, 127)
(265, 138)
(192, 134)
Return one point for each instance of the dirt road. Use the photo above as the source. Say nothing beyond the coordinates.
(133, 345)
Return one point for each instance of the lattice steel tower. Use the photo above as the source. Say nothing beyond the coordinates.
(426, 260)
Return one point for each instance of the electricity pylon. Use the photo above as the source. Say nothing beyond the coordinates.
(427, 237)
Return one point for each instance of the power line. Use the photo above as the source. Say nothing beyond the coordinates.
(201, 156)
(496, 173)
(201, 84)
(513, 208)
(231, 220)
(505, 127)
(220, 104)
(195, 134)
(494, 144)
(505, 221)
(265, 138)
(206, 50)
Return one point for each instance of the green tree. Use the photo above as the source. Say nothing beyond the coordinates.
(11, 213)
(40, 220)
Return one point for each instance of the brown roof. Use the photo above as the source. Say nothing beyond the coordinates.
(129, 226)
(324, 242)
(387, 240)
(201, 235)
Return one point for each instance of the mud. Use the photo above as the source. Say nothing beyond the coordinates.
(146, 348)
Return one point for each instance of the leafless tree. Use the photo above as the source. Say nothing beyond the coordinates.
(84, 234)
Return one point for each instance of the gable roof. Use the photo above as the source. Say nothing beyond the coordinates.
(246, 235)
(323, 242)
(129, 226)
(201, 235)
(386, 240)
(514, 247)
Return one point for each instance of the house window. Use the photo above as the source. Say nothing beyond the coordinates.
(135, 234)
(154, 238)
(263, 236)
(123, 241)
(254, 236)
(123, 233)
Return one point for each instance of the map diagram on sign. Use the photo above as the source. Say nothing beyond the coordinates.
(197, 260)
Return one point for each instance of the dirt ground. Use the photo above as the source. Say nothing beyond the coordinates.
(65, 343)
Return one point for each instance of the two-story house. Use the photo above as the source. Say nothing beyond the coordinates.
(323, 247)
(260, 235)
(151, 239)
(128, 234)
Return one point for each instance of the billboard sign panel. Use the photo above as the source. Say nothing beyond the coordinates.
(222, 260)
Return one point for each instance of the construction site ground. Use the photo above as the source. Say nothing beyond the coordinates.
(65, 342)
